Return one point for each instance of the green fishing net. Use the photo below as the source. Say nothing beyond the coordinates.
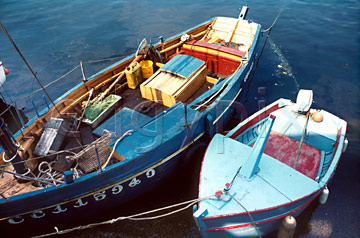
(95, 109)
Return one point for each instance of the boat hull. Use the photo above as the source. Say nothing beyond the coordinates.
(247, 209)
(145, 167)
(266, 221)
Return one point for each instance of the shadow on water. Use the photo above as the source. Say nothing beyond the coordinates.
(180, 187)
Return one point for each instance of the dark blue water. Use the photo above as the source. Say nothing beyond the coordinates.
(313, 45)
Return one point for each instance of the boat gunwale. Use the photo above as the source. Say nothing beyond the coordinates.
(109, 69)
(261, 115)
(85, 179)
(229, 80)
(337, 153)
(264, 220)
(74, 92)
(264, 209)
(80, 86)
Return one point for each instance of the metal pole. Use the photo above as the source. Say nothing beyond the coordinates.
(27, 64)
(10, 149)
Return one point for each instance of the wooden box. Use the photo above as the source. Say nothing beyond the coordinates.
(176, 81)
(52, 137)
(110, 108)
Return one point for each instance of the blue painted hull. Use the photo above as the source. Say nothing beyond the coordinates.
(266, 221)
(148, 163)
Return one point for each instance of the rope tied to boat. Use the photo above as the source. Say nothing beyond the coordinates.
(247, 211)
(129, 132)
(70, 71)
(218, 195)
(272, 25)
(135, 217)
(53, 176)
(18, 148)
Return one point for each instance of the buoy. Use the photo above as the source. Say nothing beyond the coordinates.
(287, 227)
(6, 71)
(317, 116)
(324, 195)
(3, 74)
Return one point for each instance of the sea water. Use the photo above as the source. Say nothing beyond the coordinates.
(313, 45)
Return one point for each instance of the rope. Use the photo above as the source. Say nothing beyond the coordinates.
(133, 217)
(129, 132)
(18, 147)
(251, 218)
(302, 140)
(53, 153)
(24, 176)
(272, 25)
(53, 176)
(257, 64)
(69, 72)
(27, 64)
(9, 160)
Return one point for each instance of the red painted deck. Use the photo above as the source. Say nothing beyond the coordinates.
(285, 150)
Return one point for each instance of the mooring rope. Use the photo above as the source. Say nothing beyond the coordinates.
(135, 217)
(251, 218)
(272, 25)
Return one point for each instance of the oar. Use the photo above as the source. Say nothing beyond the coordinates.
(86, 105)
(109, 89)
(302, 139)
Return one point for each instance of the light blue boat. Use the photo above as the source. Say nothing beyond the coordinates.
(273, 164)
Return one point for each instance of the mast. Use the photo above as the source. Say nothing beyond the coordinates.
(27, 64)
(10, 149)
(252, 163)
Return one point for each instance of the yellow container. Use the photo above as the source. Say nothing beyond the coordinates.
(147, 68)
(134, 75)
(216, 39)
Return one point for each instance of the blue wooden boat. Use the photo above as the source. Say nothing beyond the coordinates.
(66, 164)
(271, 165)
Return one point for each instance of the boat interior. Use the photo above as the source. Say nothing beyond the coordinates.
(317, 149)
(180, 69)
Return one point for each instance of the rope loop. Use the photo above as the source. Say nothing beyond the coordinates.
(9, 160)
(24, 174)
(48, 170)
